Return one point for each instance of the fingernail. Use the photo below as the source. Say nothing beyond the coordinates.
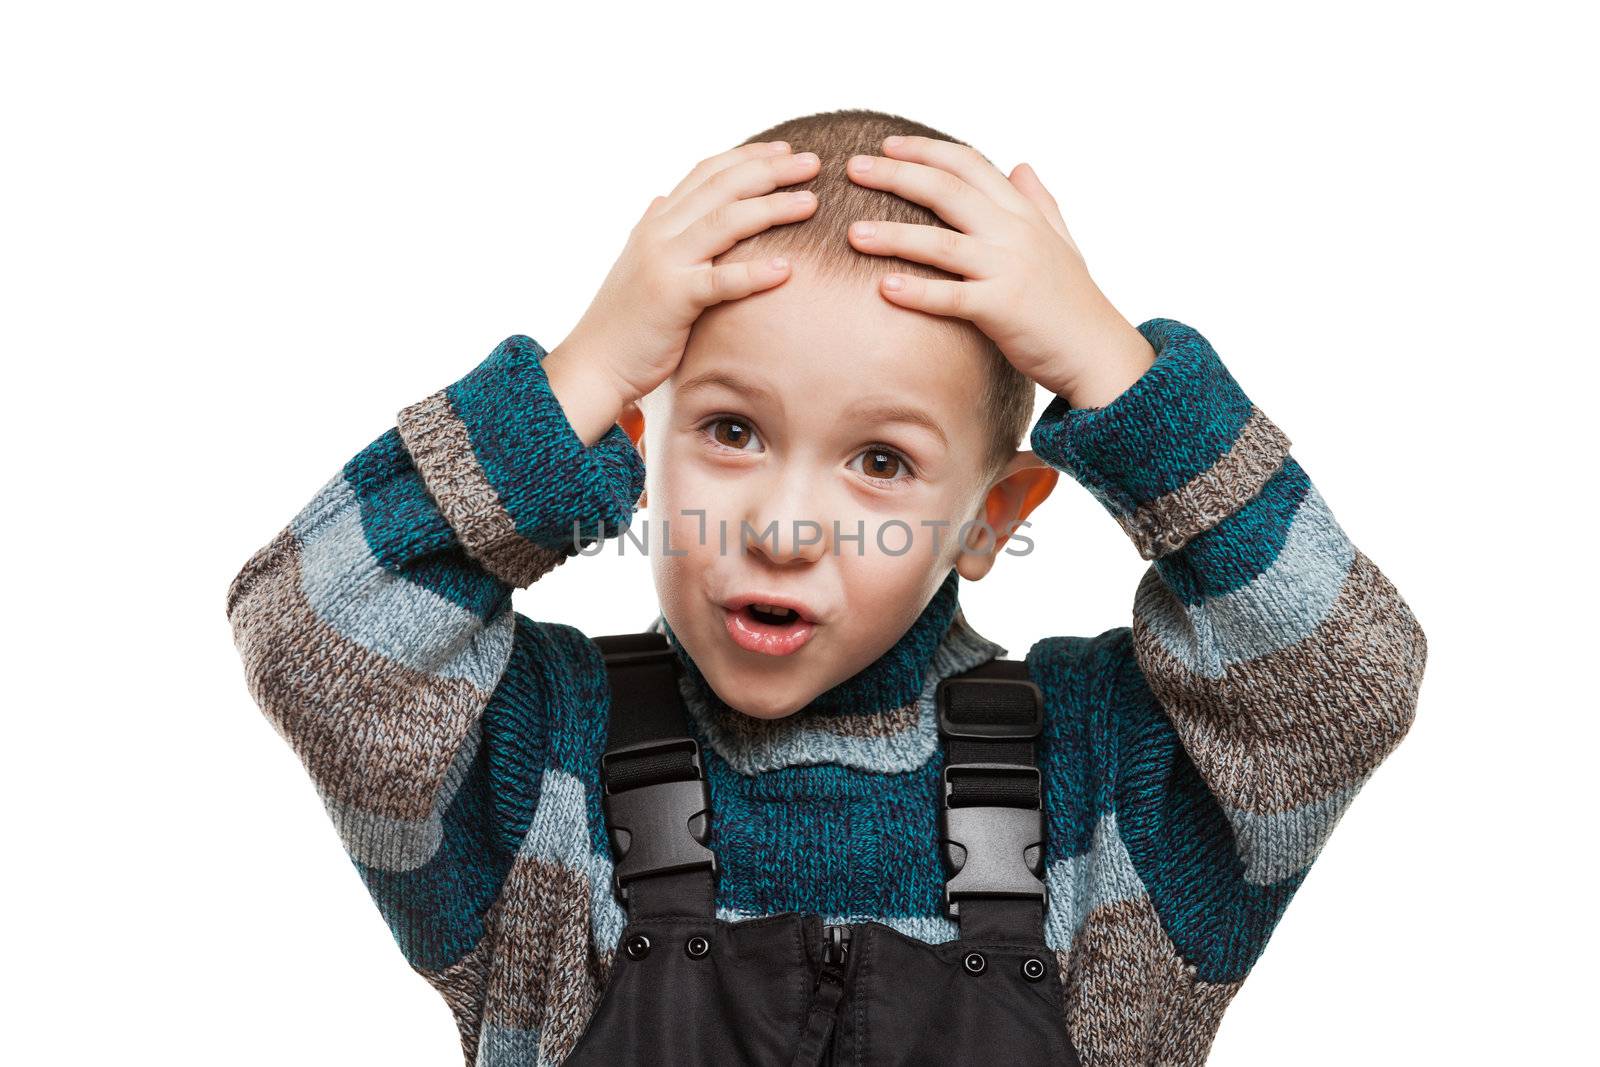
(777, 263)
(865, 229)
(779, 146)
(807, 157)
(893, 142)
(861, 163)
(893, 281)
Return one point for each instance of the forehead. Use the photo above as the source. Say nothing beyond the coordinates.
(820, 342)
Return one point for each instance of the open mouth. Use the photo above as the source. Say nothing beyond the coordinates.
(770, 629)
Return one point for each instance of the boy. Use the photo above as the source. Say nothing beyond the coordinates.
(798, 422)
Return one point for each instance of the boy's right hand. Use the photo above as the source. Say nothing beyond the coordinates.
(633, 335)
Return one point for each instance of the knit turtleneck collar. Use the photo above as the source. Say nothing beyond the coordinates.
(880, 719)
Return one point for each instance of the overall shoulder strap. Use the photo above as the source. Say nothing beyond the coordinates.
(991, 815)
(655, 796)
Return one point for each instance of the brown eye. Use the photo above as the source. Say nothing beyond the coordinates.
(731, 432)
(876, 463)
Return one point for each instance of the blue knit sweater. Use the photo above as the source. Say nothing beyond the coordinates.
(1194, 762)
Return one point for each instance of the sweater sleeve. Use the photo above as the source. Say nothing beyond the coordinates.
(377, 635)
(1282, 666)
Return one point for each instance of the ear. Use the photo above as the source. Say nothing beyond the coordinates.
(632, 422)
(1023, 484)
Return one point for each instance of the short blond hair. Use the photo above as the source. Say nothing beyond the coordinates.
(822, 240)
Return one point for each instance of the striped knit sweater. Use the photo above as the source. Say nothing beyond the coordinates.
(1194, 762)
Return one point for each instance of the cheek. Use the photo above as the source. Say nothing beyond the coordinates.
(683, 510)
(886, 593)
(698, 505)
(929, 523)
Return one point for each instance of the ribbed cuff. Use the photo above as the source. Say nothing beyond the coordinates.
(1179, 451)
(516, 483)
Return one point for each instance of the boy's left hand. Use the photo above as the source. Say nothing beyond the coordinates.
(1025, 283)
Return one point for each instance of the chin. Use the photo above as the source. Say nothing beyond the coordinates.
(769, 714)
(758, 706)
(756, 698)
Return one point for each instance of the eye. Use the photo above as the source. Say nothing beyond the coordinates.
(733, 433)
(882, 465)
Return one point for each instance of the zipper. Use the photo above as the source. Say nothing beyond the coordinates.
(835, 952)
(835, 955)
(815, 1047)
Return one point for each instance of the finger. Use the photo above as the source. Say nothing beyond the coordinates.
(964, 161)
(722, 161)
(948, 195)
(752, 177)
(946, 249)
(730, 281)
(936, 296)
(1028, 183)
(725, 226)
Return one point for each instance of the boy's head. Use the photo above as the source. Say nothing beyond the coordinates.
(823, 448)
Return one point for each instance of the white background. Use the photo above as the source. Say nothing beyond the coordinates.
(238, 238)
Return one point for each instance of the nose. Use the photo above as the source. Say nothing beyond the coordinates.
(783, 524)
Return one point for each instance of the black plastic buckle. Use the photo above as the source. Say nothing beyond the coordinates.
(993, 851)
(661, 827)
(989, 731)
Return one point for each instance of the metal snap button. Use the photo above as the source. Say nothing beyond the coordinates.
(696, 947)
(1033, 968)
(637, 947)
(974, 963)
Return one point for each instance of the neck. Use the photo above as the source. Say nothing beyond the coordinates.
(880, 718)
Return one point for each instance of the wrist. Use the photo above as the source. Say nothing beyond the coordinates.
(591, 395)
(1117, 356)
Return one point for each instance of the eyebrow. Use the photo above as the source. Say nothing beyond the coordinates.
(729, 380)
(893, 411)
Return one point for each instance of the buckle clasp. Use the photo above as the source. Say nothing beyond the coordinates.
(659, 827)
(994, 851)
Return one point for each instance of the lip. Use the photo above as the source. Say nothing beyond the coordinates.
(753, 636)
(744, 600)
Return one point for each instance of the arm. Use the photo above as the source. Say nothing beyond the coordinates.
(378, 636)
(377, 632)
(1271, 666)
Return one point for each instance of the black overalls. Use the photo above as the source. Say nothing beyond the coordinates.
(690, 988)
